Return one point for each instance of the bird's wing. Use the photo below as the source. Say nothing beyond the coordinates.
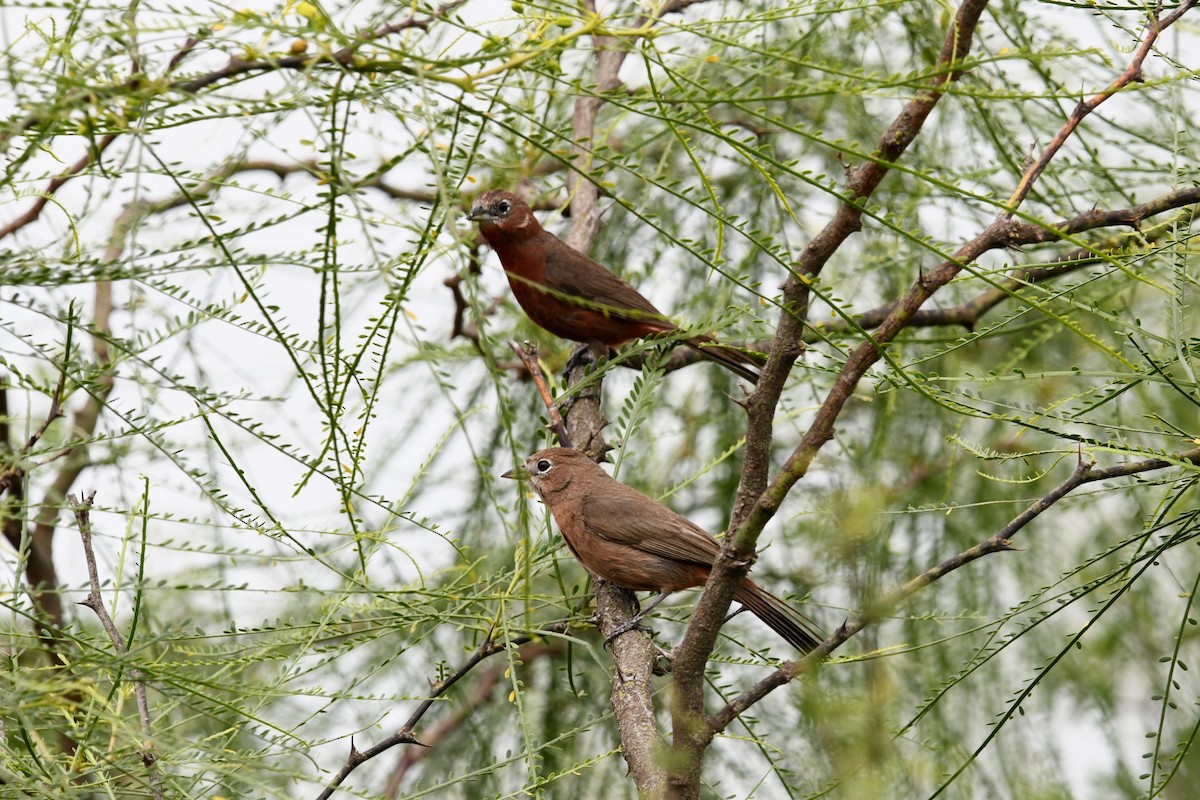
(634, 520)
(574, 275)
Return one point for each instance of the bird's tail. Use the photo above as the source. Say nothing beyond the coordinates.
(799, 631)
(738, 361)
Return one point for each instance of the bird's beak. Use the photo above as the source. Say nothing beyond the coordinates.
(479, 214)
(516, 473)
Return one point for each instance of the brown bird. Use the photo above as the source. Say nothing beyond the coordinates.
(623, 536)
(572, 296)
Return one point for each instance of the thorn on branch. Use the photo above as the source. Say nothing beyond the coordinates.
(846, 168)
(922, 277)
(182, 53)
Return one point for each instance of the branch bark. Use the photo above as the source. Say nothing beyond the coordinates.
(754, 505)
(82, 509)
(480, 695)
(968, 313)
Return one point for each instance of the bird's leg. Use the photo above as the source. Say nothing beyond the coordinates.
(636, 621)
(735, 613)
(584, 355)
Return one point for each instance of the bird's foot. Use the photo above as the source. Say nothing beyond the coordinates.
(634, 624)
(733, 614)
(584, 356)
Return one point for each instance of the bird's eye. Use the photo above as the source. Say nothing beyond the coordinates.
(543, 465)
(504, 206)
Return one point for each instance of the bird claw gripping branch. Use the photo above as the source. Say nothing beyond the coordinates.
(625, 537)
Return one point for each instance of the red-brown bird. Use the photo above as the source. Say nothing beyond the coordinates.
(625, 537)
(572, 296)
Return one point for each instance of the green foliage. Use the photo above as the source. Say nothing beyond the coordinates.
(299, 524)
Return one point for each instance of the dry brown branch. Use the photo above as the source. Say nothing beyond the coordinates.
(469, 329)
(15, 473)
(968, 313)
(406, 734)
(35, 210)
(528, 355)
(82, 509)
(343, 57)
(40, 573)
(82, 426)
(1132, 74)
(462, 712)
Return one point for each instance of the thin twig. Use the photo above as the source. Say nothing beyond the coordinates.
(462, 711)
(343, 57)
(35, 210)
(95, 602)
(528, 355)
(1132, 74)
(40, 573)
(16, 473)
(238, 66)
(406, 735)
(968, 313)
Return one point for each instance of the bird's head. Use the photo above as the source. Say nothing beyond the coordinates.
(498, 210)
(550, 471)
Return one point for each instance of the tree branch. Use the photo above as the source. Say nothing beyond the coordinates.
(462, 712)
(237, 66)
(753, 504)
(1085, 472)
(343, 57)
(528, 356)
(95, 602)
(35, 210)
(406, 733)
(968, 313)
(1132, 74)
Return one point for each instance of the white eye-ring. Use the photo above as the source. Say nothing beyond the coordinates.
(543, 466)
(504, 206)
